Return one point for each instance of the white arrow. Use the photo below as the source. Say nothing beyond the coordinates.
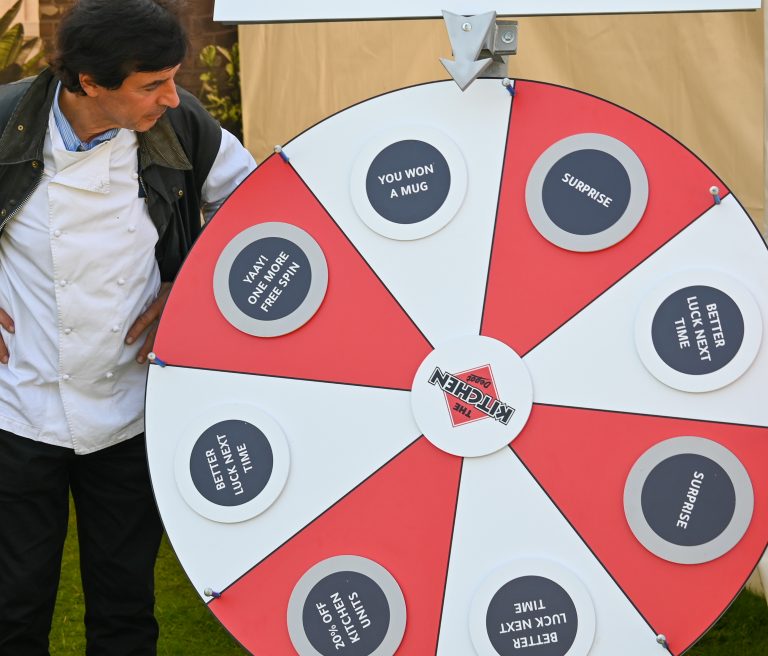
(468, 35)
(463, 71)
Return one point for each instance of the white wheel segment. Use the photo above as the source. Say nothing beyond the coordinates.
(592, 361)
(324, 424)
(504, 515)
(433, 275)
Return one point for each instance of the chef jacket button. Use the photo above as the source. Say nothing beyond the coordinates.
(115, 329)
(67, 331)
(109, 374)
(62, 283)
(131, 228)
(57, 233)
(121, 281)
(66, 377)
(135, 175)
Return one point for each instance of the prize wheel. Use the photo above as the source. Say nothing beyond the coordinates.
(468, 373)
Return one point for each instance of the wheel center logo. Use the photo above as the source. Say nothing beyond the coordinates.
(471, 396)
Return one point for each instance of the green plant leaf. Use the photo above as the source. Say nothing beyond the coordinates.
(8, 16)
(10, 45)
(27, 48)
(224, 53)
(33, 65)
(222, 102)
(208, 56)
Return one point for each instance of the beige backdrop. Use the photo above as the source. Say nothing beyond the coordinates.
(699, 76)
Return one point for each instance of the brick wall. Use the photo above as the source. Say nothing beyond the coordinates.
(197, 20)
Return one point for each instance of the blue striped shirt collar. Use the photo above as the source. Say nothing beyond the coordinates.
(71, 140)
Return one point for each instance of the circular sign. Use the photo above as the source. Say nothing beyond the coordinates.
(230, 475)
(532, 603)
(231, 463)
(699, 314)
(346, 605)
(688, 500)
(409, 183)
(423, 188)
(698, 331)
(270, 279)
(472, 396)
(587, 192)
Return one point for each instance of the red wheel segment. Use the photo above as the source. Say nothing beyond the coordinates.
(583, 457)
(347, 341)
(549, 284)
(393, 519)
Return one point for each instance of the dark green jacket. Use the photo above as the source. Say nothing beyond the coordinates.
(175, 157)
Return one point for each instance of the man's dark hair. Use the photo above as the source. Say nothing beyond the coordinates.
(110, 39)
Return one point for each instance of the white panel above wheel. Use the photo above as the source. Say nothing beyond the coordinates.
(248, 11)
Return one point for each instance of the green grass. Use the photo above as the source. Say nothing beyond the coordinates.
(187, 628)
(742, 631)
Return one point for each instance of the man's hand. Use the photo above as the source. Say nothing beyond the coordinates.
(148, 320)
(7, 323)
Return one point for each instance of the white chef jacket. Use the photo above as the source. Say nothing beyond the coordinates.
(77, 267)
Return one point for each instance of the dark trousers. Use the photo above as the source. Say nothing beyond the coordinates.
(119, 532)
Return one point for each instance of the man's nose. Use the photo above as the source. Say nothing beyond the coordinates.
(169, 97)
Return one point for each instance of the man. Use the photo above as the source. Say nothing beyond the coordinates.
(104, 168)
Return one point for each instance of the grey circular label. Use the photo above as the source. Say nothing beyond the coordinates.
(270, 279)
(586, 192)
(532, 611)
(408, 182)
(688, 499)
(698, 330)
(346, 612)
(346, 605)
(231, 463)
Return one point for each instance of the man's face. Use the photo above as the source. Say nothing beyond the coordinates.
(139, 102)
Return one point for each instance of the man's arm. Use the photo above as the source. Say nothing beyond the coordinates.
(148, 320)
(7, 323)
(232, 165)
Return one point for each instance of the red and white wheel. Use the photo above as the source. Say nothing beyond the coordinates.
(469, 374)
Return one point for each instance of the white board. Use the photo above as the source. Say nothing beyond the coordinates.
(248, 11)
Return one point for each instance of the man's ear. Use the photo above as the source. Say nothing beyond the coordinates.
(88, 84)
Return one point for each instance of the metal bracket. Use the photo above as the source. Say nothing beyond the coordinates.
(481, 45)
